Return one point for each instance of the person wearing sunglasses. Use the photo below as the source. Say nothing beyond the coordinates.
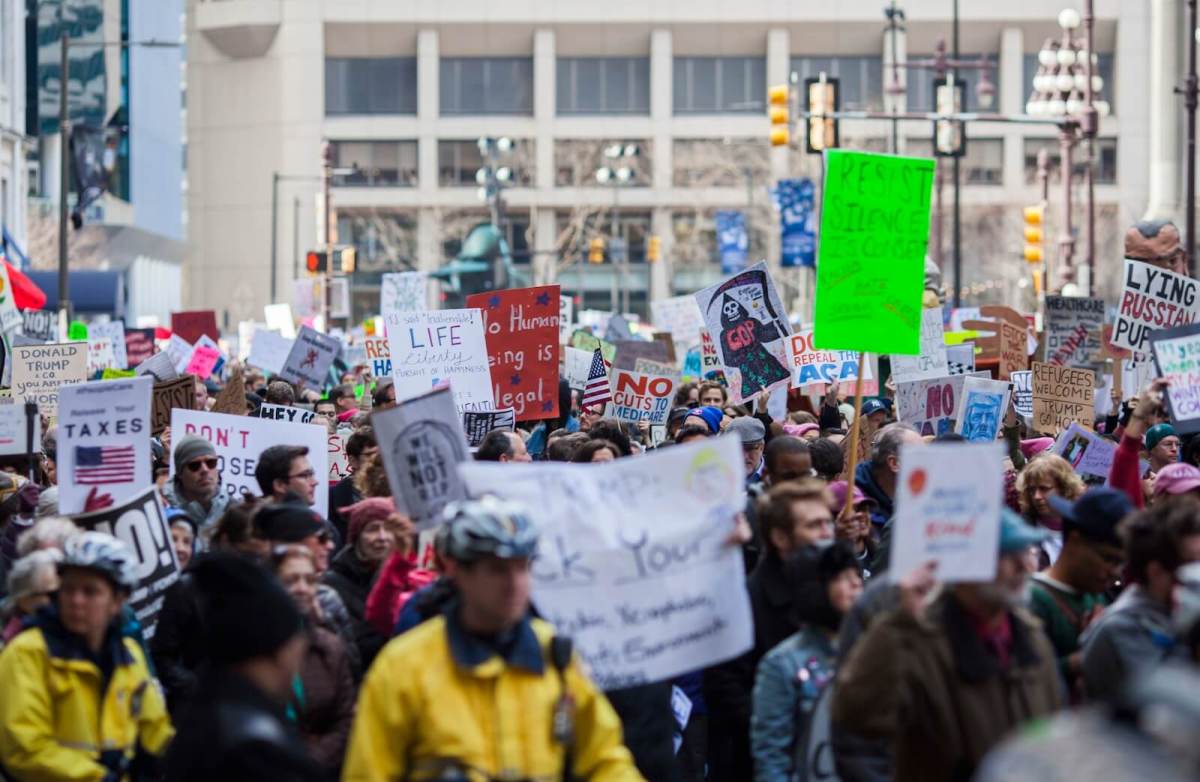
(196, 488)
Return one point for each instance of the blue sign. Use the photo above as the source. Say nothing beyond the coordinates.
(732, 242)
(794, 200)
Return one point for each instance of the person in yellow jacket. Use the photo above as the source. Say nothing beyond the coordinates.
(77, 701)
(484, 691)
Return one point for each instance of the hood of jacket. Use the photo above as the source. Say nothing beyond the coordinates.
(865, 480)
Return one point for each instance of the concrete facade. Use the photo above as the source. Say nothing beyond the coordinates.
(257, 107)
(13, 142)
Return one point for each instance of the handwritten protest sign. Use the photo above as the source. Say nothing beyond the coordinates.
(39, 324)
(159, 366)
(139, 346)
(814, 369)
(177, 393)
(1153, 299)
(193, 324)
(339, 460)
(1061, 396)
(522, 342)
(1014, 354)
(566, 318)
(931, 406)
(402, 292)
(1177, 354)
(984, 403)
(1090, 454)
(576, 364)
(179, 351)
(585, 340)
(40, 370)
(948, 502)
(114, 331)
(141, 524)
(269, 351)
(239, 439)
(203, 359)
(680, 317)
(296, 415)
(647, 366)
(710, 360)
(100, 355)
(1022, 389)
(477, 423)
(310, 358)
(637, 397)
(12, 430)
(1065, 317)
(431, 348)
(646, 587)
(750, 328)
(871, 267)
(421, 441)
(378, 356)
(103, 441)
(931, 362)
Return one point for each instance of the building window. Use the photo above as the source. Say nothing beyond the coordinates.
(1104, 69)
(460, 159)
(860, 79)
(715, 85)
(386, 240)
(582, 226)
(375, 163)
(1106, 160)
(376, 85)
(577, 160)
(486, 85)
(920, 83)
(456, 225)
(982, 165)
(728, 163)
(603, 85)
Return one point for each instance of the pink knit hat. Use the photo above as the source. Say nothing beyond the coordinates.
(1031, 448)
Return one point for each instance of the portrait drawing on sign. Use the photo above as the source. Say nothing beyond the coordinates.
(981, 416)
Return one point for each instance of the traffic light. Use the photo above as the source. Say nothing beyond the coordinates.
(1035, 235)
(823, 99)
(596, 250)
(950, 137)
(777, 110)
(654, 249)
(344, 259)
(315, 262)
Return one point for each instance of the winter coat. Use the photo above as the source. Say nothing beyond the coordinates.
(177, 648)
(930, 685)
(202, 518)
(343, 494)
(1132, 636)
(648, 725)
(789, 682)
(61, 719)
(327, 712)
(398, 579)
(885, 508)
(352, 579)
(1125, 471)
(233, 732)
(336, 619)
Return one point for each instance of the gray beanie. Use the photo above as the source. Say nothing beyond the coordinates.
(192, 447)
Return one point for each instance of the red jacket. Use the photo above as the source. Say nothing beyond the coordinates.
(398, 579)
(1125, 472)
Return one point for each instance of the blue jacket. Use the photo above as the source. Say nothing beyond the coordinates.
(790, 680)
(865, 480)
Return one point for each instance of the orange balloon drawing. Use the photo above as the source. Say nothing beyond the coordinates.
(916, 481)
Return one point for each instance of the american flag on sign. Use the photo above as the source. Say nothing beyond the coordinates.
(596, 393)
(96, 465)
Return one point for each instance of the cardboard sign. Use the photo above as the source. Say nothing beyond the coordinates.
(232, 398)
(477, 423)
(522, 342)
(39, 324)
(1022, 389)
(311, 356)
(680, 317)
(871, 262)
(13, 422)
(139, 346)
(269, 351)
(142, 525)
(1061, 396)
(103, 441)
(948, 502)
(630, 351)
(178, 393)
(10, 317)
(160, 367)
(179, 351)
(296, 415)
(1153, 299)
(339, 460)
(1065, 316)
(378, 356)
(576, 365)
(1014, 356)
(931, 362)
(39, 371)
(403, 292)
(430, 348)
(637, 397)
(421, 442)
(749, 325)
(814, 369)
(984, 403)
(1177, 355)
(931, 406)
(986, 331)
(646, 587)
(193, 324)
(114, 331)
(239, 439)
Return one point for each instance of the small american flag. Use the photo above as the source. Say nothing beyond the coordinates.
(104, 464)
(596, 393)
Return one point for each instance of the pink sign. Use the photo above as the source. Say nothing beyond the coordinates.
(202, 362)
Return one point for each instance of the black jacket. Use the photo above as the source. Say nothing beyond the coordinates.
(177, 648)
(352, 578)
(342, 495)
(232, 732)
(648, 725)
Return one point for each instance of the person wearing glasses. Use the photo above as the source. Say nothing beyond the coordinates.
(196, 488)
(285, 468)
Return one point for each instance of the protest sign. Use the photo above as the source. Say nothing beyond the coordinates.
(1014, 354)
(203, 359)
(948, 501)
(960, 359)
(279, 319)
(100, 355)
(1065, 317)
(1177, 355)
(931, 406)
(139, 346)
(749, 325)
(629, 351)
(421, 441)
(984, 403)
(710, 360)
(931, 362)
(814, 369)
(616, 328)
(269, 351)
(39, 324)
(576, 364)
(477, 423)
(1153, 299)
(232, 398)
(871, 267)
(159, 366)
(179, 351)
(12, 430)
(646, 366)
(296, 415)
(141, 524)
(1061, 395)
(118, 374)
(1022, 389)
(177, 393)
(239, 439)
(646, 586)
(39, 371)
(522, 342)
(114, 330)
(566, 316)
(584, 340)
(1089, 454)
(378, 356)
(10, 317)
(637, 397)
(309, 359)
(402, 292)
(193, 324)
(680, 317)
(103, 441)
(339, 460)
(430, 348)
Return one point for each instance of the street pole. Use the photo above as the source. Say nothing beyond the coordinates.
(326, 181)
(295, 237)
(1190, 101)
(1091, 126)
(1043, 178)
(939, 218)
(64, 164)
(274, 233)
(1067, 239)
(957, 179)
(612, 229)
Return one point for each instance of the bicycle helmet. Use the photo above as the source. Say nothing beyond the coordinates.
(104, 554)
(488, 526)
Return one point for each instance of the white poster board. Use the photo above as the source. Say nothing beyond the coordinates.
(576, 365)
(114, 330)
(402, 292)
(932, 362)
(431, 348)
(1153, 299)
(680, 317)
(269, 350)
(12, 430)
(296, 415)
(279, 318)
(311, 356)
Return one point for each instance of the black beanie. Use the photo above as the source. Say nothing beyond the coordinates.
(287, 522)
(244, 611)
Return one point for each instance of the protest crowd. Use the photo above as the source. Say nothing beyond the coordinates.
(881, 541)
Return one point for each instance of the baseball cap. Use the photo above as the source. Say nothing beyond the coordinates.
(872, 406)
(1095, 515)
(1016, 535)
(751, 430)
(1178, 478)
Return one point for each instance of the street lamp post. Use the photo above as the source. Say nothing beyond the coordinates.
(1191, 91)
(617, 173)
(492, 179)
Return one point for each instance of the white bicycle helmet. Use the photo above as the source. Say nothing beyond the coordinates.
(488, 526)
(104, 554)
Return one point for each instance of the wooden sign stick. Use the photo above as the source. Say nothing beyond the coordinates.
(855, 429)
